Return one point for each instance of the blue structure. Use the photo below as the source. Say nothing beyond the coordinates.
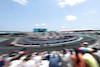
(40, 30)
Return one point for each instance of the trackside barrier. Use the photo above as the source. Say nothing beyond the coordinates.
(59, 44)
(14, 42)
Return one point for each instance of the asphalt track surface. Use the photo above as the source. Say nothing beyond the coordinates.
(4, 47)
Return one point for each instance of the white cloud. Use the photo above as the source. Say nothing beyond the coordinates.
(59, 0)
(62, 4)
(70, 17)
(69, 2)
(37, 25)
(63, 27)
(43, 24)
(73, 2)
(23, 2)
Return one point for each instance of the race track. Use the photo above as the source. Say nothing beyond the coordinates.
(4, 47)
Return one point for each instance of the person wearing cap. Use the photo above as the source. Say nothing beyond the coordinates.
(83, 45)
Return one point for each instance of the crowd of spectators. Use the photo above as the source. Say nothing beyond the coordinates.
(77, 57)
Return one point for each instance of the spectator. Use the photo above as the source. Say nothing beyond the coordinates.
(54, 59)
(16, 62)
(90, 60)
(96, 54)
(66, 59)
(84, 44)
(78, 60)
(37, 58)
(83, 57)
(29, 62)
(8, 59)
(2, 62)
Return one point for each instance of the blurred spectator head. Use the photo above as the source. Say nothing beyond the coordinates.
(28, 57)
(53, 52)
(45, 52)
(84, 44)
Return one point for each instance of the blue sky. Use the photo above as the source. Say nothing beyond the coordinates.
(55, 15)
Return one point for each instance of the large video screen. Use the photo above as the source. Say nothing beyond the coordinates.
(40, 30)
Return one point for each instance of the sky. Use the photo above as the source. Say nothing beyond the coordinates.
(54, 15)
